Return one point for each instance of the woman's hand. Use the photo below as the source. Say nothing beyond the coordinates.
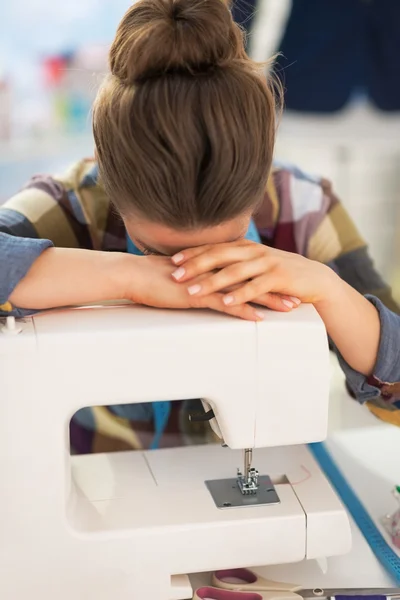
(260, 275)
(255, 273)
(149, 281)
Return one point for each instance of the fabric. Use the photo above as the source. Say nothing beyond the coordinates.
(333, 50)
(385, 381)
(299, 214)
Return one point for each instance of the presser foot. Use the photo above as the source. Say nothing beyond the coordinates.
(248, 484)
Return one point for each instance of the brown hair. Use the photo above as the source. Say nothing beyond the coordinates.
(184, 125)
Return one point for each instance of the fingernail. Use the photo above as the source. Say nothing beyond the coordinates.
(260, 315)
(227, 300)
(177, 258)
(296, 301)
(288, 303)
(194, 289)
(178, 274)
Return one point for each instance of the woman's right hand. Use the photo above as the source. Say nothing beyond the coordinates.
(148, 280)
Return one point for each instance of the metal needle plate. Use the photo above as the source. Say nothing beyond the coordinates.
(226, 493)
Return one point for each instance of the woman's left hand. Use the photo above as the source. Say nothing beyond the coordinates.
(251, 272)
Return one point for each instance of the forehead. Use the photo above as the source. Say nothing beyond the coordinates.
(165, 240)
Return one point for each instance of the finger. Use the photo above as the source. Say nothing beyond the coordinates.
(217, 258)
(275, 302)
(189, 253)
(227, 278)
(214, 302)
(258, 287)
(185, 255)
(254, 291)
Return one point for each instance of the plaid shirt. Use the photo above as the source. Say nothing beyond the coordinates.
(299, 214)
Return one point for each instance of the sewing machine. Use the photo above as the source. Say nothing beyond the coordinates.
(132, 525)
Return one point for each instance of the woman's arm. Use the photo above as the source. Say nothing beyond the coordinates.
(68, 276)
(352, 323)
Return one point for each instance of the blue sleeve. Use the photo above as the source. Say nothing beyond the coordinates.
(17, 256)
(386, 377)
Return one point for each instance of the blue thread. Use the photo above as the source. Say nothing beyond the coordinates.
(383, 552)
(161, 412)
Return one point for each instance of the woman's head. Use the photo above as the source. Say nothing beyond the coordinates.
(184, 125)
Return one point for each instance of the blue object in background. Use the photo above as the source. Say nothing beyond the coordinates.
(335, 51)
(243, 12)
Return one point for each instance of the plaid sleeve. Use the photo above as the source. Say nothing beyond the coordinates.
(68, 211)
(385, 381)
(45, 212)
(31, 221)
(301, 214)
(43, 209)
(72, 210)
(335, 233)
(336, 241)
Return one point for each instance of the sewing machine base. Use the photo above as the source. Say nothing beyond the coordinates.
(156, 505)
(135, 520)
(226, 493)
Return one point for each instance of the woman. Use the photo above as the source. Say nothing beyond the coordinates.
(184, 127)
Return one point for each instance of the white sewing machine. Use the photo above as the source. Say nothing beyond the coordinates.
(131, 525)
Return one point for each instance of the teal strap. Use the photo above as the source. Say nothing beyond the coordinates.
(252, 233)
(161, 412)
(131, 248)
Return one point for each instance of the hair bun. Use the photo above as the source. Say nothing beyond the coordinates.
(156, 37)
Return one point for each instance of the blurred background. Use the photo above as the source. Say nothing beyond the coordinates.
(338, 66)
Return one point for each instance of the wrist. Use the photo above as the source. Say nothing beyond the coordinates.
(122, 270)
(333, 290)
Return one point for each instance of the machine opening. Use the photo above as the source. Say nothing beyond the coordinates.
(147, 426)
(111, 466)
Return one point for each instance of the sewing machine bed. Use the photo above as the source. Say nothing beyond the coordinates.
(167, 489)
